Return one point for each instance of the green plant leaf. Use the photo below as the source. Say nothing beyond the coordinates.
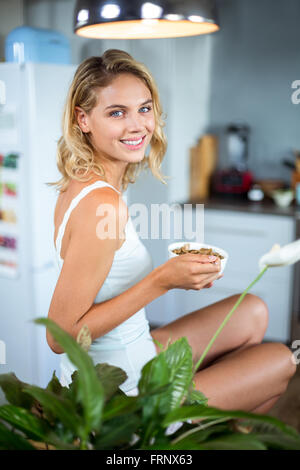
(13, 389)
(154, 375)
(90, 390)
(174, 366)
(60, 407)
(11, 441)
(116, 431)
(158, 344)
(234, 442)
(200, 435)
(55, 386)
(111, 378)
(31, 426)
(195, 397)
(205, 412)
(73, 393)
(273, 436)
(22, 419)
(179, 359)
(188, 445)
(120, 405)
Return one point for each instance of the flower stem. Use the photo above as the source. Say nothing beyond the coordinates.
(199, 428)
(228, 317)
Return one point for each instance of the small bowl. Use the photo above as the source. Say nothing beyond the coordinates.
(197, 246)
(283, 197)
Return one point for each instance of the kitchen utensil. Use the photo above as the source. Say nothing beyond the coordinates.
(255, 193)
(283, 197)
(295, 179)
(203, 160)
(288, 164)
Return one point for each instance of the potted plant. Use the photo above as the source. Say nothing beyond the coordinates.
(93, 412)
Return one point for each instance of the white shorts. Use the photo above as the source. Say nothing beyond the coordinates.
(131, 357)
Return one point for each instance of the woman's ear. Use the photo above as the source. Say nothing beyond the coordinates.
(82, 119)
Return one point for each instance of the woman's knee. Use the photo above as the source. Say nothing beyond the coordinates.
(283, 361)
(260, 314)
(256, 317)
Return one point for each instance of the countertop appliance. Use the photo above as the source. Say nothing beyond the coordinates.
(32, 98)
(236, 179)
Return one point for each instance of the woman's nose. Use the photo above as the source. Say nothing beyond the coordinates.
(135, 123)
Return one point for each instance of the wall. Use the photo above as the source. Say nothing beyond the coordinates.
(255, 59)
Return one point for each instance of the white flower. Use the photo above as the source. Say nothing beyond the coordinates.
(281, 256)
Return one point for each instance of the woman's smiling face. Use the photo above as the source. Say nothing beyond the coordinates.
(122, 123)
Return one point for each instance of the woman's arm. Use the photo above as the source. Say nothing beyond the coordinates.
(103, 317)
(86, 265)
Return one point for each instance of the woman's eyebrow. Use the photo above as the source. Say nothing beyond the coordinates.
(125, 107)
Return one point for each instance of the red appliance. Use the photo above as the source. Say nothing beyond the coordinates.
(232, 181)
(237, 179)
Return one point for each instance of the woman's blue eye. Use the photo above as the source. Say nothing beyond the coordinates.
(113, 113)
(148, 108)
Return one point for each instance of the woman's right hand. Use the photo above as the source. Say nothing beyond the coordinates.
(189, 271)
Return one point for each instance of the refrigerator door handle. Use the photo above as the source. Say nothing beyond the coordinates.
(2, 93)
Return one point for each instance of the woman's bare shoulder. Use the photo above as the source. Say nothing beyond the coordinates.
(101, 204)
(89, 209)
(100, 199)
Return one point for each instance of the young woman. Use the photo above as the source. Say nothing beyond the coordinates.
(112, 114)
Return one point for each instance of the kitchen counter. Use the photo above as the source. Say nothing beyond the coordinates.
(230, 203)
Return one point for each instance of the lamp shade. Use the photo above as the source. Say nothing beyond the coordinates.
(135, 19)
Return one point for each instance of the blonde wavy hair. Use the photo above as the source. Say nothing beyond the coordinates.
(76, 155)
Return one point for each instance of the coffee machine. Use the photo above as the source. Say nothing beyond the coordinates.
(235, 180)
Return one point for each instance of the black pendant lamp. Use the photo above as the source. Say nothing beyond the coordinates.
(135, 19)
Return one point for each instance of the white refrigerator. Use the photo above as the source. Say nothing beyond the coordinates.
(31, 103)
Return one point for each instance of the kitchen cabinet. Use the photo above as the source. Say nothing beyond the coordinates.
(246, 237)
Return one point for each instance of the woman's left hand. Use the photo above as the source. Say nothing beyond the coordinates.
(210, 284)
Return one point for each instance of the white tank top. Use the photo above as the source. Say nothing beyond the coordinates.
(130, 344)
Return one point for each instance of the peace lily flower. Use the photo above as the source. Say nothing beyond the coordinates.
(277, 256)
(288, 254)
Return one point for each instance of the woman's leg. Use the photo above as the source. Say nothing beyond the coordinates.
(247, 326)
(266, 406)
(252, 376)
(251, 379)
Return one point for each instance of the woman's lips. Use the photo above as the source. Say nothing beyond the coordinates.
(134, 146)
